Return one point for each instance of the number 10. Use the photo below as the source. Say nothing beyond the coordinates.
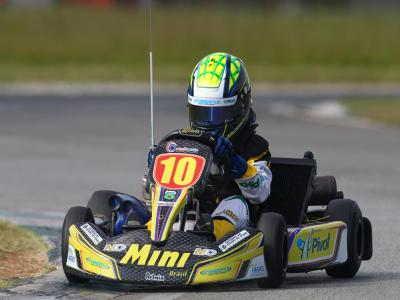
(181, 172)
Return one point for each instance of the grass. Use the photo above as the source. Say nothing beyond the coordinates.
(22, 254)
(85, 44)
(5, 283)
(380, 110)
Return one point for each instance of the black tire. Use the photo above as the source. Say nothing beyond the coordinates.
(348, 211)
(76, 214)
(274, 228)
(324, 190)
(368, 251)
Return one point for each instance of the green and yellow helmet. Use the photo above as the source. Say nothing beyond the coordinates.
(219, 94)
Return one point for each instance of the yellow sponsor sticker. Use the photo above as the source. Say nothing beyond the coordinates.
(311, 245)
(145, 257)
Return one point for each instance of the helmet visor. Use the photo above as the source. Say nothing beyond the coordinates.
(211, 117)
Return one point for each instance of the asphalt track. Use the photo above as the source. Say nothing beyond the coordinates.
(56, 150)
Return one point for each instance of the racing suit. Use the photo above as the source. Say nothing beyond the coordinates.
(234, 201)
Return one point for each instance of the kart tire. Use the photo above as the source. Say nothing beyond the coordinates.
(274, 228)
(347, 211)
(76, 214)
(324, 190)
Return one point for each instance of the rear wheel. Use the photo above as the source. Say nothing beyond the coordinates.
(76, 214)
(274, 228)
(347, 211)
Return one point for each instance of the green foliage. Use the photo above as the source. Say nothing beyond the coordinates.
(380, 110)
(17, 239)
(96, 44)
(5, 283)
(22, 253)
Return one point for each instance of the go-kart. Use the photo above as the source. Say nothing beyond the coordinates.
(305, 225)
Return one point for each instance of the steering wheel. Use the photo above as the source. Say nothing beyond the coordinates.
(202, 137)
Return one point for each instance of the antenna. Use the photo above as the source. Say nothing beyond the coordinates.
(151, 77)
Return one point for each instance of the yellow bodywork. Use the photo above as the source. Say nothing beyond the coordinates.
(178, 205)
(224, 267)
(315, 243)
(222, 228)
(92, 260)
(227, 266)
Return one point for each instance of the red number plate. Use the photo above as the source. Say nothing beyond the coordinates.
(178, 170)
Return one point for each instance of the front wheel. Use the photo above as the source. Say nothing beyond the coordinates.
(76, 214)
(274, 229)
(347, 211)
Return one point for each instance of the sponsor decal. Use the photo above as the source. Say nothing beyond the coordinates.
(312, 245)
(232, 241)
(97, 263)
(146, 256)
(229, 213)
(173, 147)
(251, 184)
(166, 203)
(216, 271)
(190, 132)
(91, 234)
(154, 277)
(169, 195)
(254, 184)
(204, 252)
(258, 269)
(71, 258)
(212, 102)
(114, 248)
(178, 273)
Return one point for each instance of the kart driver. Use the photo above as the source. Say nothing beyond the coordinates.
(219, 101)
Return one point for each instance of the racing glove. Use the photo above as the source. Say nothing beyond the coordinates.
(223, 150)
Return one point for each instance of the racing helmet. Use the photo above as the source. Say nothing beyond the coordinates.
(219, 95)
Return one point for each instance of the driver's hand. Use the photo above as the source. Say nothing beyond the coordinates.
(223, 150)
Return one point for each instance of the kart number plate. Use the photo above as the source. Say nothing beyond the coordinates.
(178, 170)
